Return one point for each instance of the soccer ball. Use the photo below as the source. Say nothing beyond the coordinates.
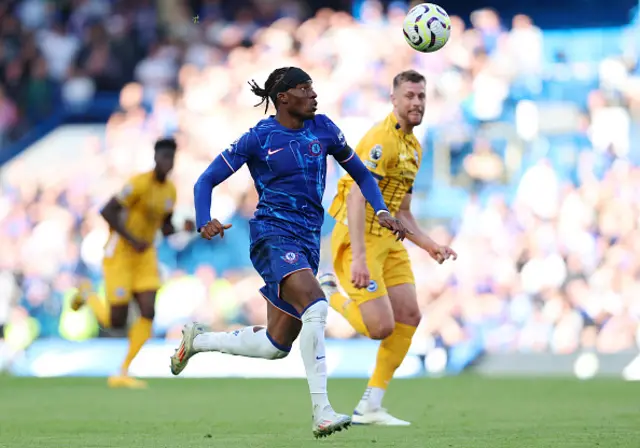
(427, 27)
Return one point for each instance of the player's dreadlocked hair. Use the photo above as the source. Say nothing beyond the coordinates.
(274, 78)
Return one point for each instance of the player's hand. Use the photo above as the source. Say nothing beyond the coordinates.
(139, 246)
(395, 225)
(360, 273)
(442, 253)
(189, 225)
(213, 228)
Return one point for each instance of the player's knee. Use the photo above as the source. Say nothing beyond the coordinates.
(378, 318)
(147, 313)
(316, 311)
(274, 350)
(301, 289)
(118, 322)
(409, 317)
(118, 316)
(309, 294)
(381, 330)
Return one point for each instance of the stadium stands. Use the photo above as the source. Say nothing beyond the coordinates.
(531, 172)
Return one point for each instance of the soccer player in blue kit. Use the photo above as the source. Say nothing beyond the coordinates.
(287, 157)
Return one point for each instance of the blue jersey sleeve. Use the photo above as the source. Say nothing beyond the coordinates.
(240, 151)
(223, 166)
(352, 164)
(339, 148)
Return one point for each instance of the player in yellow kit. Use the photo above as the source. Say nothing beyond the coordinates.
(373, 267)
(130, 265)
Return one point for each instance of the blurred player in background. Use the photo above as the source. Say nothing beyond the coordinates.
(130, 265)
(371, 265)
(287, 157)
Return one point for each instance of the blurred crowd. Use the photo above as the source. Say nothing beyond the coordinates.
(548, 228)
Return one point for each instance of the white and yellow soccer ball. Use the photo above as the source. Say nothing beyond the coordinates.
(427, 27)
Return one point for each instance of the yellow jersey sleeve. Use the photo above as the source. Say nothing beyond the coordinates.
(378, 151)
(130, 194)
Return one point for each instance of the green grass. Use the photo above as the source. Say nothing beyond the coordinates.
(462, 412)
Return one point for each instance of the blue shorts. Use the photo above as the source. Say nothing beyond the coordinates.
(277, 257)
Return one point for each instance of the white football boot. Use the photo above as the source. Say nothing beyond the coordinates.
(185, 350)
(380, 417)
(326, 421)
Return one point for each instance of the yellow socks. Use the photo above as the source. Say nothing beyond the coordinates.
(100, 309)
(392, 350)
(350, 310)
(139, 333)
(391, 353)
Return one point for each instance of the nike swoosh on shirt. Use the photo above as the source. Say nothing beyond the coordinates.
(273, 151)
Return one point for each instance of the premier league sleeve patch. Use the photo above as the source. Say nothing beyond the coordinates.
(376, 153)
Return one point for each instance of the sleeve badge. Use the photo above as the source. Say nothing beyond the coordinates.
(376, 153)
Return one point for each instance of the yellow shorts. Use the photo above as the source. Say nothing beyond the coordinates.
(387, 260)
(127, 272)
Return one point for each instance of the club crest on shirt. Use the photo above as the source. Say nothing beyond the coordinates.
(290, 257)
(373, 286)
(376, 153)
(121, 293)
(315, 148)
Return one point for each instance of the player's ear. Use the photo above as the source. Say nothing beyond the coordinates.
(283, 98)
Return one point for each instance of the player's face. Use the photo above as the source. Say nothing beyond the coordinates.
(302, 101)
(409, 100)
(164, 160)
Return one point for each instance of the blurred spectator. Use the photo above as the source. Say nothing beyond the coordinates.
(547, 223)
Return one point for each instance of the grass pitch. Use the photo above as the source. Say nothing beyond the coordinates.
(461, 412)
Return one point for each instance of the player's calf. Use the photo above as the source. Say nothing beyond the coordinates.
(303, 291)
(251, 342)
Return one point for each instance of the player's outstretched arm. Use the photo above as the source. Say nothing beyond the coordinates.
(369, 188)
(356, 209)
(420, 238)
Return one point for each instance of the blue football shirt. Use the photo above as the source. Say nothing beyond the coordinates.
(289, 168)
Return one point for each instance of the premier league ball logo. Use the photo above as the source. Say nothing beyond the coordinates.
(376, 153)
